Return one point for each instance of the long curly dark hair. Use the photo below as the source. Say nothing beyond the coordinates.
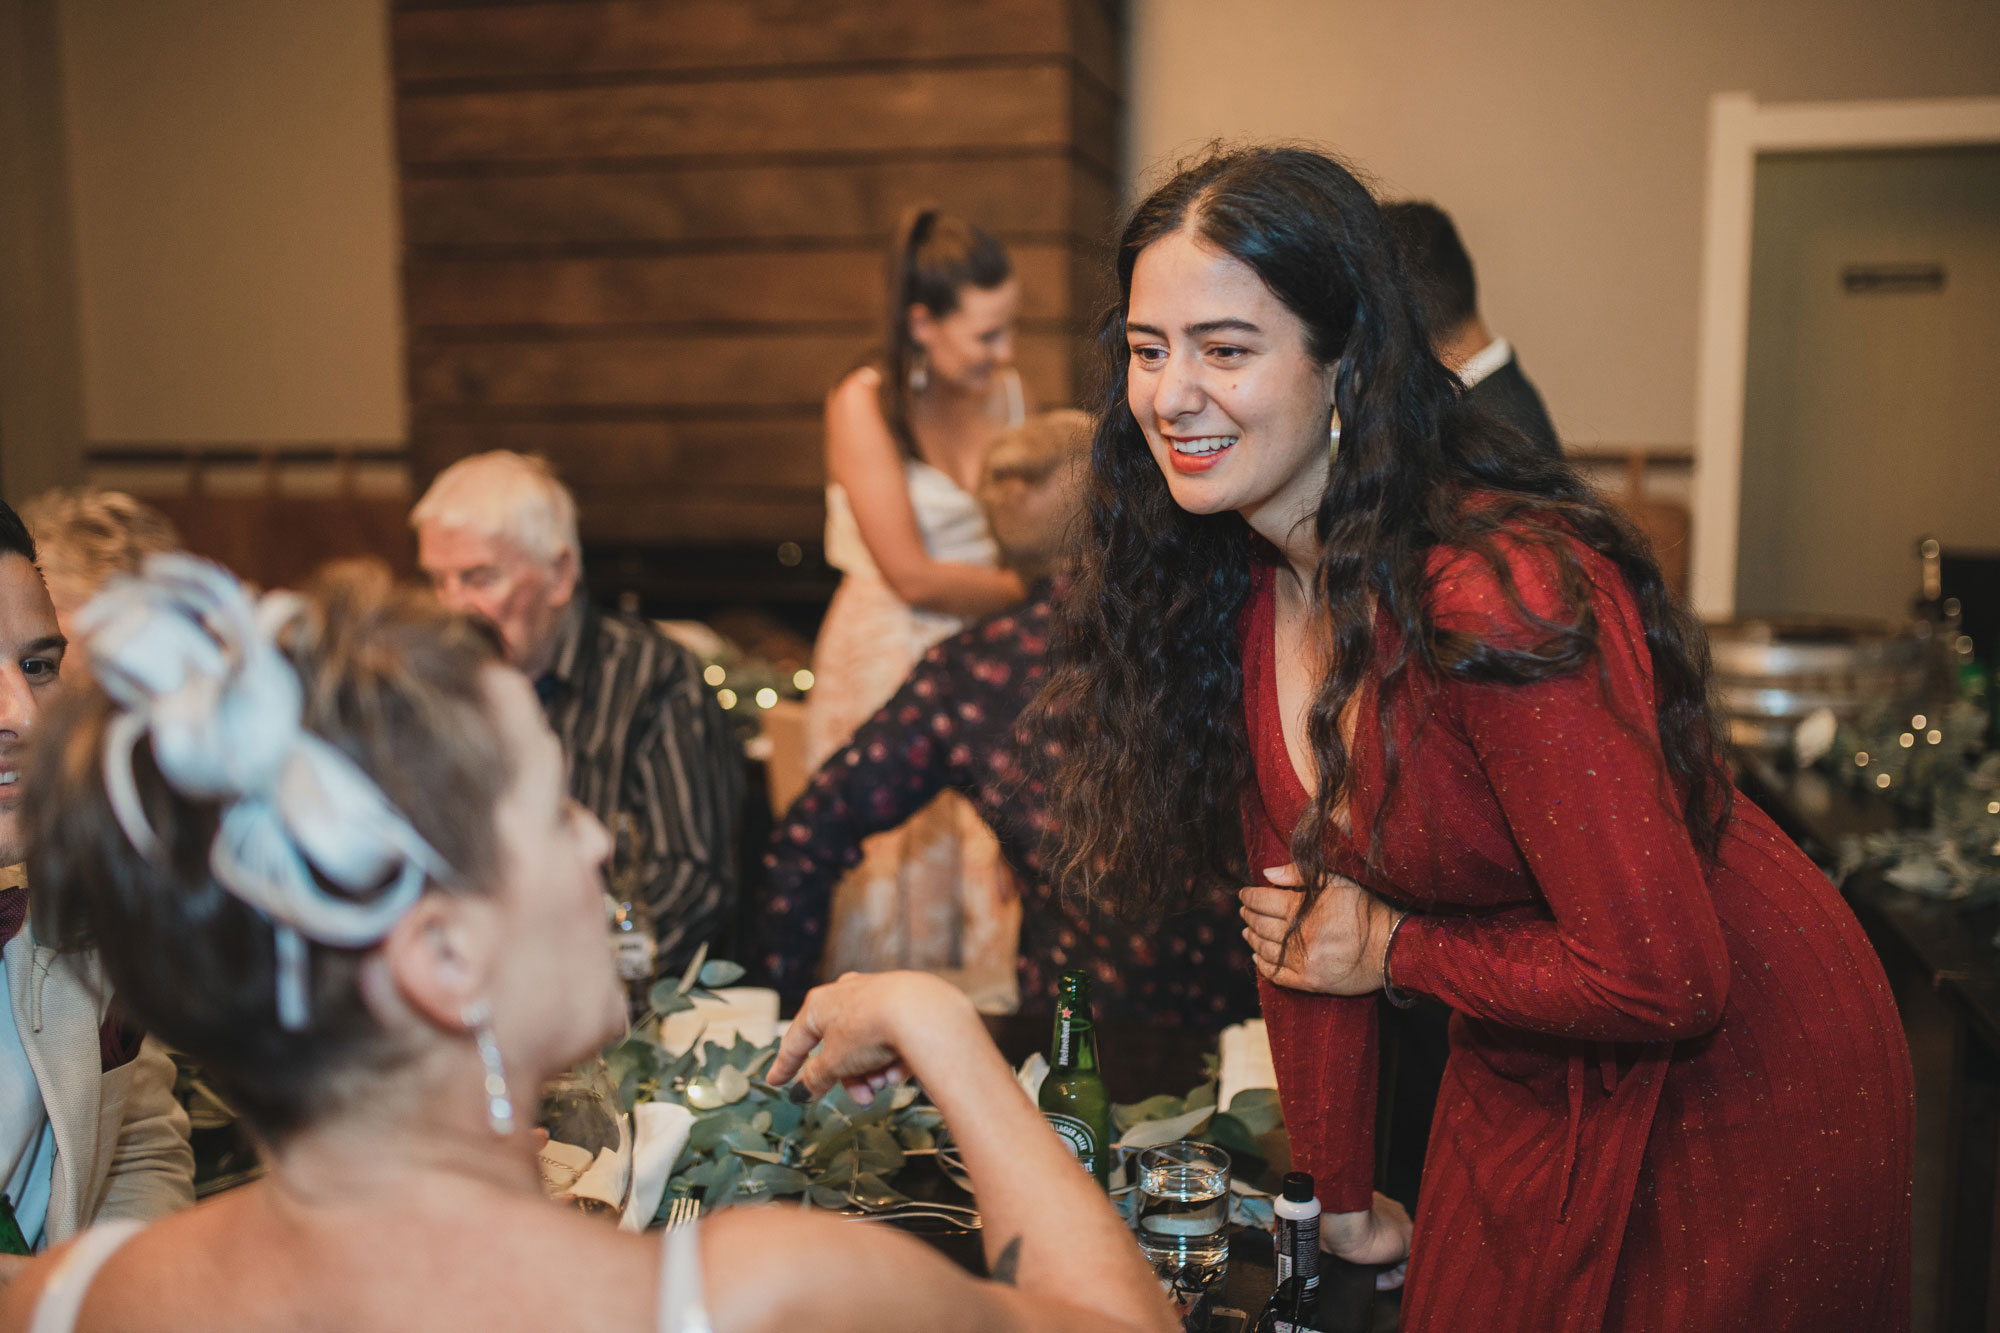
(1142, 720)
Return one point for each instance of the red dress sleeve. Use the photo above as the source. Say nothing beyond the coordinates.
(1630, 947)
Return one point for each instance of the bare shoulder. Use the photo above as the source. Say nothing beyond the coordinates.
(858, 391)
(777, 1269)
(234, 1263)
(860, 450)
(23, 1280)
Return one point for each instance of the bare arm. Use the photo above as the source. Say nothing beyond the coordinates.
(864, 460)
(1076, 1265)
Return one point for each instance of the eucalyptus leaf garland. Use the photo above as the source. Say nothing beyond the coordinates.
(751, 1142)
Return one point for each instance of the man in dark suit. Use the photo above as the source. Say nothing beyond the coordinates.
(1487, 366)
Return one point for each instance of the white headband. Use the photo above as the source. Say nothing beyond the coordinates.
(194, 664)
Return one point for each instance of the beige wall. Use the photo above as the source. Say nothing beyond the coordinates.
(231, 182)
(1567, 137)
(233, 195)
(40, 401)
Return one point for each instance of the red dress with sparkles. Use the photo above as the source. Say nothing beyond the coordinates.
(1677, 1099)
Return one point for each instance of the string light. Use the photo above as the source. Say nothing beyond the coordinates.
(1933, 736)
(714, 674)
(766, 697)
(1861, 759)
(1906, 740)
(1881, 779)
(727, 698)
(802, 679)
(1917, 722)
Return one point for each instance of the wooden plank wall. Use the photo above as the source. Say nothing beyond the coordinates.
(644, 237)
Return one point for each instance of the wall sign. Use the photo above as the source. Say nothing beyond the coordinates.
(1868, 279)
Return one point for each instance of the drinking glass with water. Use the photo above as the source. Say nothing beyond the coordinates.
(1183, 1224)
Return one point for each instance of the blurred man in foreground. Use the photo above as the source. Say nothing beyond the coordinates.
(89, 1128)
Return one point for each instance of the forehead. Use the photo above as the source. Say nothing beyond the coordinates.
(443, 548)
(1181, 279)
(985, 305)
(26, 614)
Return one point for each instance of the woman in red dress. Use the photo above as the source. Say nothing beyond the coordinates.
(1469, 736)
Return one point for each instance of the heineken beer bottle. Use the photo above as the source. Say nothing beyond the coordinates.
(1073, 1098)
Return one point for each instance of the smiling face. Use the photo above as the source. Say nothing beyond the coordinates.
(1233, 405)
(555, 989)
(968, 346)
(31, 655)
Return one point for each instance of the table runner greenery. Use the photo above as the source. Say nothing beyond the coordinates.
(750, 1142)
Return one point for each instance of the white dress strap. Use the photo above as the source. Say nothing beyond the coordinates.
(62, 1298)
(683, 1302)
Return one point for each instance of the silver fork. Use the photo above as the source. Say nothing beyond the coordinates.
(953, 1216)
(684, 1212)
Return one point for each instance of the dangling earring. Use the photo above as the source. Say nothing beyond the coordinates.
(1333, 436)
(920, 372)
(478, 1019)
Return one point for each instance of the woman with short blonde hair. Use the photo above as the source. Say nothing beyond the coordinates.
(323, 844)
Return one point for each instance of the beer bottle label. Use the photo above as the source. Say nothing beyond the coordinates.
(1076, 1136)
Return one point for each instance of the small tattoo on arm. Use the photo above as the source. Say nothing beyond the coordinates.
(1008, 1266)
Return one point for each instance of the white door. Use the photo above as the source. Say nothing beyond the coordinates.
(1872, 396)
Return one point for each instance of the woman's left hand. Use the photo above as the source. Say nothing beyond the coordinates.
(1340, 946)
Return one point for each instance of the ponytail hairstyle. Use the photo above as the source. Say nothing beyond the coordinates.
(1142, 721)
(932, 260)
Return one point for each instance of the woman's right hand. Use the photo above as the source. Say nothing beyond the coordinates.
(864, 1025)
(1379, 1236)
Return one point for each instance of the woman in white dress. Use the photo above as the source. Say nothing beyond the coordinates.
(905, 437)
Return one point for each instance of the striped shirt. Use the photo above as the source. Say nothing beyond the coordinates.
(645, 737)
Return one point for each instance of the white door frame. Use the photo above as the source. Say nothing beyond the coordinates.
(1738, 130)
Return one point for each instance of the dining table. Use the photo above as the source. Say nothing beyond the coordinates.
(1138, 1061)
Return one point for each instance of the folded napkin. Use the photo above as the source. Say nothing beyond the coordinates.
(605, 1179)
(1246, 1061)
(563, 1164)
(661, 1132)
(1034, 1071)
(747, 1011)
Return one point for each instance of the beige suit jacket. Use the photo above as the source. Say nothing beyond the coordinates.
(121, 1138)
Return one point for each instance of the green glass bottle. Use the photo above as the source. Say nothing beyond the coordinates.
(1073, 1099)
(11, 1239)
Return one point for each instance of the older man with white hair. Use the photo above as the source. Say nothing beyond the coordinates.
(645, 737)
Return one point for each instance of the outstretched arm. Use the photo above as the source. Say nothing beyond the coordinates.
(949, 726)
(1075, 1263)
